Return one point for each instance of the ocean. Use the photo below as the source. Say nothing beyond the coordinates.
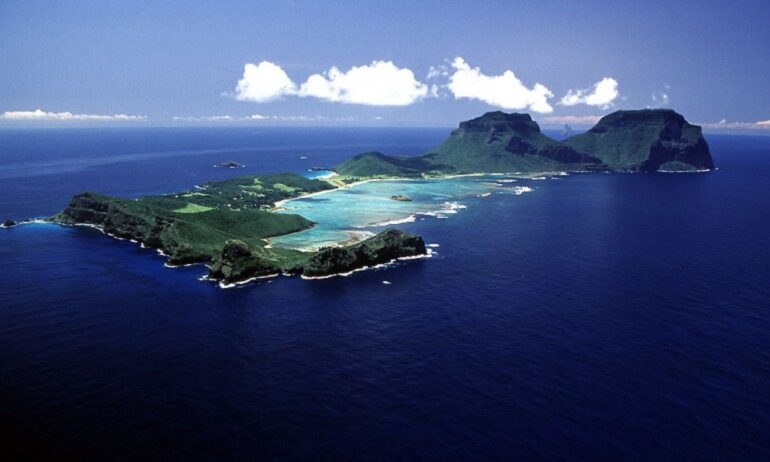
(595, 317)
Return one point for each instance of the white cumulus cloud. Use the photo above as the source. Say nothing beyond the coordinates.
(216, 118)
(505, 90)
(264, 82)
(435, 72)
(40, 115)
(261, 118)
(602, 94)
(725, 124)
(380, 83)
(572, 120)
(659, 99)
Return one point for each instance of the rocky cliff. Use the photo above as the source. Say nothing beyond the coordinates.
(647, 140)
(382, 248)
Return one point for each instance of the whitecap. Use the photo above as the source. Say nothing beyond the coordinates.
(223, 285)
(429, 254)
(519, 190)
(398, 221)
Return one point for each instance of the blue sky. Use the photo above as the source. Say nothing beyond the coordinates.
(413, 63)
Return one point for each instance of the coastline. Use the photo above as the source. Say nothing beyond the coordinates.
(429, 254)
(279, 205)
(449, 207)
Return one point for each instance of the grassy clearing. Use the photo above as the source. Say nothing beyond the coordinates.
(284, 188)
(336, 182)
(193, 208)
(256, 186)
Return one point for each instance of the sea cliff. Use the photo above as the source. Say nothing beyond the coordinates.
(645, 141)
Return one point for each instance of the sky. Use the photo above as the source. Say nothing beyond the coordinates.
(393, 63)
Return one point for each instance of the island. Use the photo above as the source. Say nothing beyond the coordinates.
(230, 164)
(401, 198)
(646, 140)
(650, 140)
(9, 223)
(225, 224)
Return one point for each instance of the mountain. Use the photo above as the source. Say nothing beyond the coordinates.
(646, 140)
(225, 223)
(374, 164)
(500, 142)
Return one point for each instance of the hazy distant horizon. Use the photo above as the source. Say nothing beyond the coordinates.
(395, 64)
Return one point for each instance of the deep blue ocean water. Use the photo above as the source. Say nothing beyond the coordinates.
(599, 317)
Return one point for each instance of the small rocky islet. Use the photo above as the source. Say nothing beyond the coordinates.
(225, 224)
(230, 164)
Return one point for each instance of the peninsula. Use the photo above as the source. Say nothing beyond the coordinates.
(225, 224)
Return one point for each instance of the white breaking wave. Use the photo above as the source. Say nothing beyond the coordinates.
(704, 170)
(222, 285)
(429, 254)
(519, 190)
(409, 219)
(448, 208)
(453, 207)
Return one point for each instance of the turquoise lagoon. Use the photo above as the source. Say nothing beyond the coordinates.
(358, 211)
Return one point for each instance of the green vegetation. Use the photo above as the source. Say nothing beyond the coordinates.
(185, 237)
(502, 143)
(196, 231)
(493, 143)
(193, 208)
(375, 164)
(238, 261)
(284, 188)
(676, 166)
(257, 192)
(229, 230)
(645, 140)
(507, 143)
(226, 222)
(382, 248)
(256, 185)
